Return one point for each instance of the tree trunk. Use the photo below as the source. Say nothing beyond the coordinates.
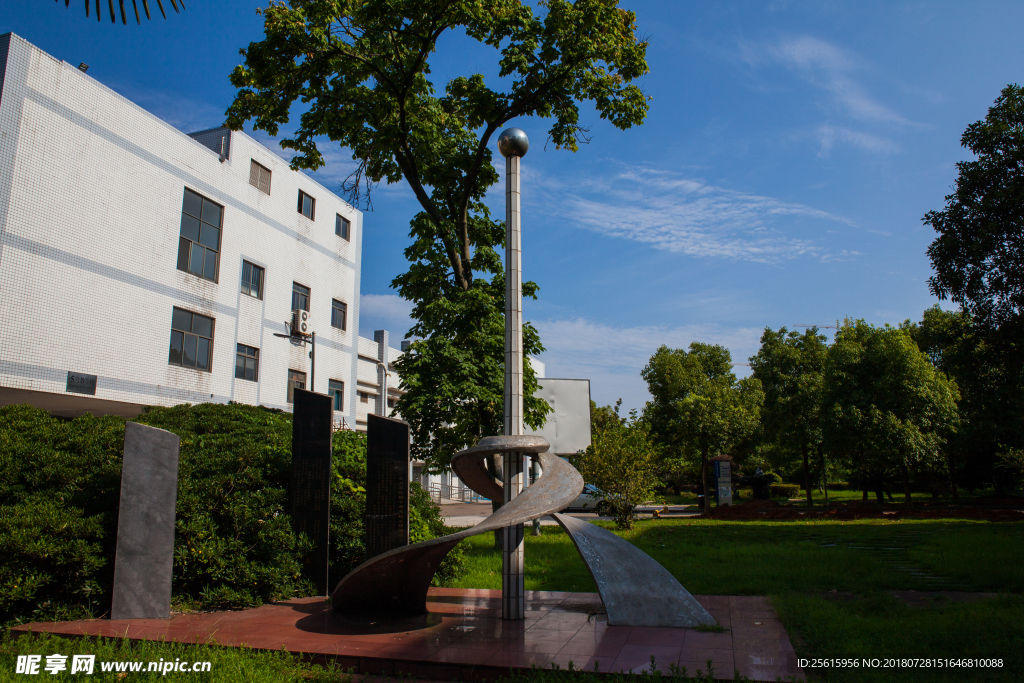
(879, 490)
(953, 489)
(704, 481)
(807, 477)
(824, 473)
(865, 496)
(906, 484)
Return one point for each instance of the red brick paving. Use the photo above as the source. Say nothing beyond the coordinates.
(469, 640)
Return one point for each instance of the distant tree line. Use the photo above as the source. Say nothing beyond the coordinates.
(934, 405)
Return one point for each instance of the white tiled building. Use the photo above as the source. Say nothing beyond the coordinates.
(143, 266)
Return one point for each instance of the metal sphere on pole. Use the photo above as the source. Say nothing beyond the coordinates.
(513, 144)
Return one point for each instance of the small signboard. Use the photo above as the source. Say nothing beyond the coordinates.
(723, 482)
(81, 384)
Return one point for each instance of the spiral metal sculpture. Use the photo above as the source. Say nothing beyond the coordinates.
(635, 589)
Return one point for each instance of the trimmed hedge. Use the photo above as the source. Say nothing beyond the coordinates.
(234, 546)
(784, 490)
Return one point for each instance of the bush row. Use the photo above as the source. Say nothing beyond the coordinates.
(234, 546)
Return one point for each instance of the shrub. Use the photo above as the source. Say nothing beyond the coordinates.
(839, 485)
(234, 546)
(784, 490)
(621, 462)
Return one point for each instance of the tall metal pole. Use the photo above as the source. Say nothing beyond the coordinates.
(513, 143)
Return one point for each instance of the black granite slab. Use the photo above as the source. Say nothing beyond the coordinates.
(312, 418)
(387, 484)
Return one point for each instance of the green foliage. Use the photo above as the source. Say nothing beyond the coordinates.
(233, 542)
(699, 407)
(454, 376)
(622, 462)
(986, 367)
(783, 490)
(234, 545)
(790, 368)
(978, 257)
(888, 407)
(51, 560)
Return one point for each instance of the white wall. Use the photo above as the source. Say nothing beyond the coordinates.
(91, 189)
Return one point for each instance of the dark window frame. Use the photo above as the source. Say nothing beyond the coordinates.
(336, 306)
(307, 295)
(342, 227)
(242, 352)
(191, 339)
(257, 174)
(293, 379)
(337, 394)
(247, 284)
(312, 205)
(194, 237)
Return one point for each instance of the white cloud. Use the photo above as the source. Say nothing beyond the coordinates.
(612, 357)
(830, 135)
(682, 215)
(384, 312)
(830, 68)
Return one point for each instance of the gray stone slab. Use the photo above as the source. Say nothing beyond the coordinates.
(635, 588)
(312, 422)
(144, 559)
(386, 522)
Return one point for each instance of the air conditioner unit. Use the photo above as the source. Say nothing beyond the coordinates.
(301, 324)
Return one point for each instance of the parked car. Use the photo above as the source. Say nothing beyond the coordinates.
(590, 500)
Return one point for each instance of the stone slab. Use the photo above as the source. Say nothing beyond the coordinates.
(386, 522)
(144, 559)
(312, 422)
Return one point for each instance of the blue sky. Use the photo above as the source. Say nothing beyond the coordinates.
(780, 178)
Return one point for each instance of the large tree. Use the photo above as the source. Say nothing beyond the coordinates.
(888, 408)
(698, 406)
(978, 256)
(790, 367)
(991, 404)
(361, 68)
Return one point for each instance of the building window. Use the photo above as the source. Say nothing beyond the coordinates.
(247, 363)
(191, 340)
(341, 226)
(307, 205)
(300, 297)
(252, 280)
(364, 397)
(296, 380)
(336, 390)
(391, 403)
(199, 243)
(259, 177)
(339, 313)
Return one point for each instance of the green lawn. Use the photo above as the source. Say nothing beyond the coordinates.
(226, 663)
(800, 564)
